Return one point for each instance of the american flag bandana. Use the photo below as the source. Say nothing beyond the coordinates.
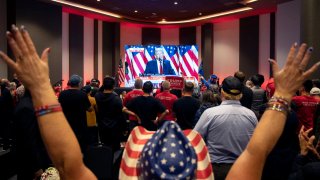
(168, 153)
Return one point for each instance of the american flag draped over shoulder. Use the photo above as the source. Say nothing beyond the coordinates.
(140, 136)
(189, 60)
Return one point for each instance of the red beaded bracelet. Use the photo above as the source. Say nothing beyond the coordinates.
(43, 110)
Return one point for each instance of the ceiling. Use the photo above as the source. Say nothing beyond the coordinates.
(155, 11)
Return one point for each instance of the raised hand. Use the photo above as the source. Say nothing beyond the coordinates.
(294, 73)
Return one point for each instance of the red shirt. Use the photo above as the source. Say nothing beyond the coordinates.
(130, 95)
(306, 109)
(167, 99)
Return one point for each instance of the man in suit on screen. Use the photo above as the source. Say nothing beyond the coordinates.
(159, 65)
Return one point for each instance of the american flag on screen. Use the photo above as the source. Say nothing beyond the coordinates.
(189, 61)
(121, 74)
(171, 53)
(140, 136)
(135, 61)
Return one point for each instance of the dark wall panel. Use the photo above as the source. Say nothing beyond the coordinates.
(272, 39)
(110, 47)
(44, 23)
(187, 35)
(249, 45)
(75, 44)
(207, 48)
(310, 28)
(151, 36)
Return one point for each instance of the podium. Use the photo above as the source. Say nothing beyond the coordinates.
(176, 82)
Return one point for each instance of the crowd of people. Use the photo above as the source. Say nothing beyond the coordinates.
(250, 131)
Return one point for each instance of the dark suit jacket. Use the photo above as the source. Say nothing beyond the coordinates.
(152, 68)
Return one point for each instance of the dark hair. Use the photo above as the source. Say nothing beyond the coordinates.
(261, 78)
(147, 87)
(308, 85)
(108, 83)
(188, 87)
(207, 96)
(256, 80)
(240, 75)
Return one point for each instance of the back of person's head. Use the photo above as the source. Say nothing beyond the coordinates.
(240, 75)
(87, 89)
(308, 85)
(95, 82)
(147, 87)
(138, 84)
(75, 81)
(188, 87)
(165, 85)
(207, 97)
(315, 91)
(231, 88)
(255, 79)
(108, 83)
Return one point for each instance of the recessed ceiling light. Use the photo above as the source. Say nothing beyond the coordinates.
(200, 14)
(163, 20)
(154, 14)
(136, 11)
(98, 0)
(175, 3)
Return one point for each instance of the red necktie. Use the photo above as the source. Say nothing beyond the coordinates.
(161, 70)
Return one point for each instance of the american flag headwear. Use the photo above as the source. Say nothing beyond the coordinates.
(140, 139)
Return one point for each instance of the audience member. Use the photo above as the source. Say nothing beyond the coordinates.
(306, 106)
(137, 91)
(75, 104)
(207, 101)
(32, 157)
(212, 82)
(185, 108)
(259, 97)
(167, 99)
(91, 117)
(6, 111)
(110, 117)
(227, 128)
(146, 108)
(247, 93)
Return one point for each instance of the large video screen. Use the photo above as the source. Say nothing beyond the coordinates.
(155, 61)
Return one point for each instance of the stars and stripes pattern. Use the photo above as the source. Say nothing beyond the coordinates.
(140, 136)
(183, 59)
(189, 61)
(121, 74)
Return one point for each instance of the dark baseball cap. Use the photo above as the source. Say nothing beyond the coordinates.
(232, 85)
(75, 80)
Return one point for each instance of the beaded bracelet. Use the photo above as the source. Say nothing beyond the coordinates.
(43, 110)
(277, 107)
(280, 100)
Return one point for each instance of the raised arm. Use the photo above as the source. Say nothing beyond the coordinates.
(287, 80)
(56, 133)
